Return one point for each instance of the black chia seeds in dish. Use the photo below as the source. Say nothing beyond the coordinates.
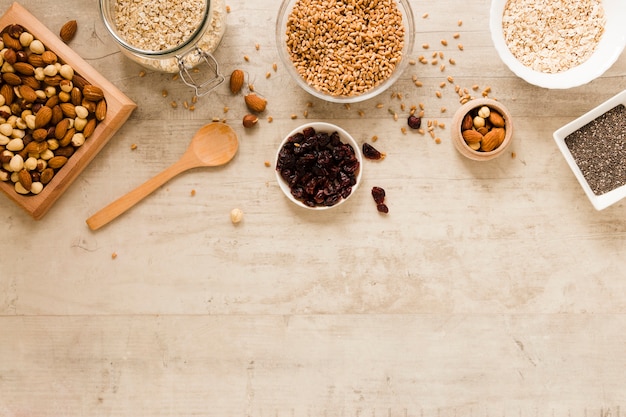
(599, 149)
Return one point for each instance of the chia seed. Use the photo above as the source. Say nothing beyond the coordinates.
(599, 150)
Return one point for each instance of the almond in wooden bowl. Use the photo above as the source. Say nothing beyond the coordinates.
(482, 129)
(59, 153)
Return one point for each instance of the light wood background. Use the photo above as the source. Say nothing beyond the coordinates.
(490, 289)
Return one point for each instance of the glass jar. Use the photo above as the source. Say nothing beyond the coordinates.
(170, 38)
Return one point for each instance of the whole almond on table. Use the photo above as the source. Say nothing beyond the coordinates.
(255, 103)
(250, 120)
(68, 31)
(236, 81)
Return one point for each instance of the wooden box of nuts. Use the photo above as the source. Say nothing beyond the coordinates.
(56, 112)
(482, 129)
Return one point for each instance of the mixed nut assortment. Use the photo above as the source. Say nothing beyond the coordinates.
(47, 111)
(483, 129)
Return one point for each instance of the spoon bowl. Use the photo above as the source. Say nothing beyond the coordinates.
(212, 145)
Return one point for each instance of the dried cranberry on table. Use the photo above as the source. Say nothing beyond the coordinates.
(318, 167)
(372, 153)
(414, 122)
(378, 194)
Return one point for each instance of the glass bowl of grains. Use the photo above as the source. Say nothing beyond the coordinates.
(170, 36)
(345, 53)
(558, 44)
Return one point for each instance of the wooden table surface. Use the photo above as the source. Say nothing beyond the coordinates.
(489, 288)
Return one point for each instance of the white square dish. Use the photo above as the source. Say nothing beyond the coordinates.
(599, 201)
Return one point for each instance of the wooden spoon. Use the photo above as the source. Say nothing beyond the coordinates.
(213, 145)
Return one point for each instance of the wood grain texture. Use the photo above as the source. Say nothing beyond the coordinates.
(489, 289)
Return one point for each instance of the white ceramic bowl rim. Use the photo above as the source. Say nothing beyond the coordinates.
(602, 201)
(345, 138)
(608, 50)
(409, 23)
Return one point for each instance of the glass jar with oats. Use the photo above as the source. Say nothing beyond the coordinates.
(174, 36)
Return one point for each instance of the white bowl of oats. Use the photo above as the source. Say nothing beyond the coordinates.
(558, 44)
(341, 55)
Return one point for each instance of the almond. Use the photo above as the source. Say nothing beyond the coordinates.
(76, 96)
(43, 117)
(57, 162)
(7, 92)
(89, 128)
(496, 119)
(52, 101)
(40, 134)
(49, 57)
(250, 120)
(93, 93)
(492, 140)
(101, 110)
(32, 82)
(79, 81)
(236, 81)
(11, 78)
(255, 103)
(25, 179)
(468, 122)
(67, 139)
(28, 94)
(53, 81)
(68, 110)
(46, 175)
(472, 136)
(68, 31)
(11, 42)
(57, 114)
(61, 128)
(24, 68)
(36, 60)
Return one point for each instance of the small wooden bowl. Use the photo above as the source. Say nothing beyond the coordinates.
(119, 108)
(457, 137)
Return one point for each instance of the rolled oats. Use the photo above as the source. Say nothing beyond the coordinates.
(160, 25)
(553, 36)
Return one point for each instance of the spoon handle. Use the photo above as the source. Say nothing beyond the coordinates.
(122, 204)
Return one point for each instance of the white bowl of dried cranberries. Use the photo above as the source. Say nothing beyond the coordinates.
(318, 166)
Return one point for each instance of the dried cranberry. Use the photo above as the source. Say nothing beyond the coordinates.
(319, 168)
(370, 152)
(414, 122)
(378, 194)
(379, 198)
